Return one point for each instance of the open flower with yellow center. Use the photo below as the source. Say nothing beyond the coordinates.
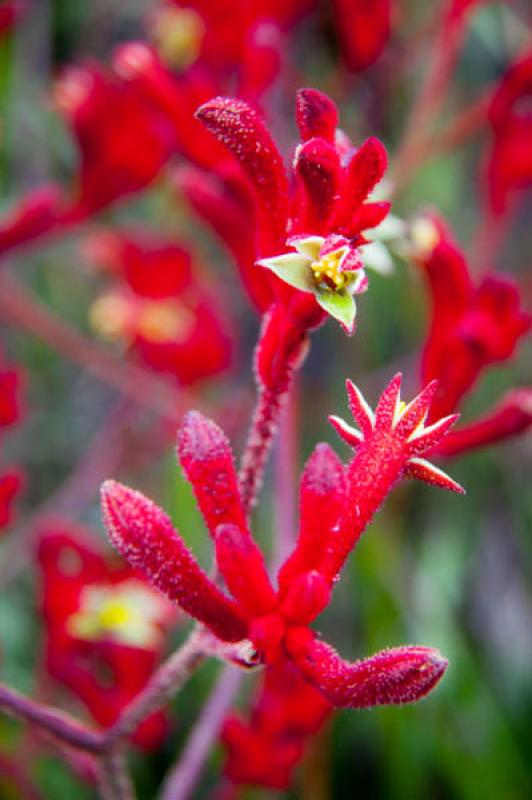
(117, 315)
(128, 612)
(329, 268)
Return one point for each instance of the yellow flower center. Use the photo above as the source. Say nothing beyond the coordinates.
(327, 270)
(177, 34)
(127, 612)
(161, 322)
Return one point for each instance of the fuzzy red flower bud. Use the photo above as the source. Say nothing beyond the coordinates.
(364, 172)
(391, 677)
(242, 564)
(316, 115)
(318, 167)
(144, 535)
(205, 455)
(322, 504)
(307, 596)
(242, 130)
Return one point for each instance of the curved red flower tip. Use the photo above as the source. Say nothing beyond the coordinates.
(318, 166)
(365, 170)
(316, 115)
(400, 429)
(322, 502)
(242, 566)
(511, 417)
(144, 535)
(242, 130)
(207, 460)
(390, 677)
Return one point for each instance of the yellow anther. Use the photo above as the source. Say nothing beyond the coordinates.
(114, 614)
(327, 269)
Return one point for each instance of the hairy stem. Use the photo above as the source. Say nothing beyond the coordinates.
(259, 442)
(55, 723)
(168, 679)
(285, 481)
(115, 781)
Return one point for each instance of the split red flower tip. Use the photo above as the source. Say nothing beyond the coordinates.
(316, 115)
(399, 428)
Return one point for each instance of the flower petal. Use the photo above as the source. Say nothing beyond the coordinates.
(340, 305)
(292, 268)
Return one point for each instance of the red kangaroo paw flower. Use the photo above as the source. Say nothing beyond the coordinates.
(364, 172)
(322, 503)
(391, 677)
(316, 115)
(472, 326)
(384, 453)
(10, 485)
(241, 129)
(242, 566)
(207, 460)
(318, 167)
(144, 535)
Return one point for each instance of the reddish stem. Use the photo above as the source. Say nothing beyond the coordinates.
(181, 781)
(55, 723)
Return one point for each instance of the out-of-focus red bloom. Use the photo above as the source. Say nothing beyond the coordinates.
(337, 503)
(264, 750)
(35, 215)
(10, 411)
(509, 166)
(363, 29)
(10, 485)
(472, 327)
(219, 33)
(123, 140)
(105, 627)
(159, 306)
(10, 13)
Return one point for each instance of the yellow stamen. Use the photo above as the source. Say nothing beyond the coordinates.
(327, 270)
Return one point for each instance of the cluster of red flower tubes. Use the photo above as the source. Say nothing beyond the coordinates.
(302, 241)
